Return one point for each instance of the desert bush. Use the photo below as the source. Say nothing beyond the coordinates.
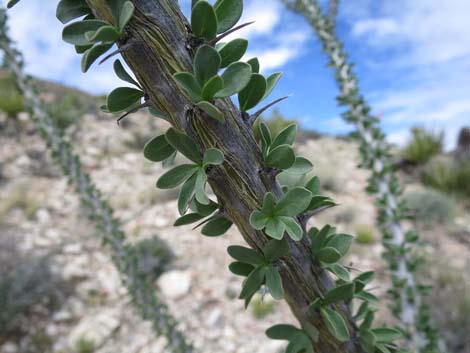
(67, 110)
(430, 206)
(20, 197)
(11, 100)
(448, 176)
(25, 282)
(365, 234)
(152, 256)
(423, 145)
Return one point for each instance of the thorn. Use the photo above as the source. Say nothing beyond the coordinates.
(222, 36)
(143, 105)
(256, 115)
(116, 52)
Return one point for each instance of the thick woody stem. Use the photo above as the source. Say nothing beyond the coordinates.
(162, 47)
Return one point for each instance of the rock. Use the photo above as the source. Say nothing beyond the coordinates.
(96, 327)
(9, 348)
(43, 215)
(215, 318)
(73, 249)
(175, 284)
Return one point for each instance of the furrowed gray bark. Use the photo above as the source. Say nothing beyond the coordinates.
(160, 44)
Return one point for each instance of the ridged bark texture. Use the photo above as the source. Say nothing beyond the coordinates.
(159, 43)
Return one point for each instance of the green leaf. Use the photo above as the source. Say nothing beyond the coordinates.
(366, 277)
(386, 335)
(122, 73)
(282, 332)
(254, 63)
(123, 98)
(201, 180)
(265, 137)
(318, 237)
(216, 227)
(236, 77)
(275, 228)
(275, 249)
(213, 156)
(74, 33)
(80, 49)
(319, 201)
(341, 242)
(12, 3)
(188, 219)
(285, 137)
(313, 185)
(367, 340)
(176, 176)
(186, 194)
(340, 271)
(125, 14)
(253, 283)
(158, 113)
(258, 220)
(274, 283)
(269, 204)
(245, 255)
(328, 255)
(241, 268)
(335, 324)
(211, 110)
(92, 54)
(340, 293)
(228, 13)
(103, 34)
(233, 51)
(293, 202)
(292, 227)
(382, 349)
(205, 210)
(301, 166)
(158, 149)
(369, 297)
(214, 85)
(253, 93)
(68, 10)
(183, 144)
(204, 20)
(281, 157)
(190, 85)
(206, 63)
(271, 81)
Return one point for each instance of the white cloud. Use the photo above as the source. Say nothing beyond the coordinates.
(288, 45)
(422, 50)
(430, 31)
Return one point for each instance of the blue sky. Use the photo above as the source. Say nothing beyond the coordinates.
(412, 58)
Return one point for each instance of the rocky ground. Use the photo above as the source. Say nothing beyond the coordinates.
(40, 215)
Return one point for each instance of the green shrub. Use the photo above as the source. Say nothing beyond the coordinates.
(276, 123)
(153, 257)
(20, 197)
(451, 177)
(84, 346)
(365, 234)
(25, 282)
(11, 100)
(67, 110)
(424, 145)
(430, 206)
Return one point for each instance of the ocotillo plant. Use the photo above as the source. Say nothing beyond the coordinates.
(406, 292)
(177, 66)
(125, 258)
